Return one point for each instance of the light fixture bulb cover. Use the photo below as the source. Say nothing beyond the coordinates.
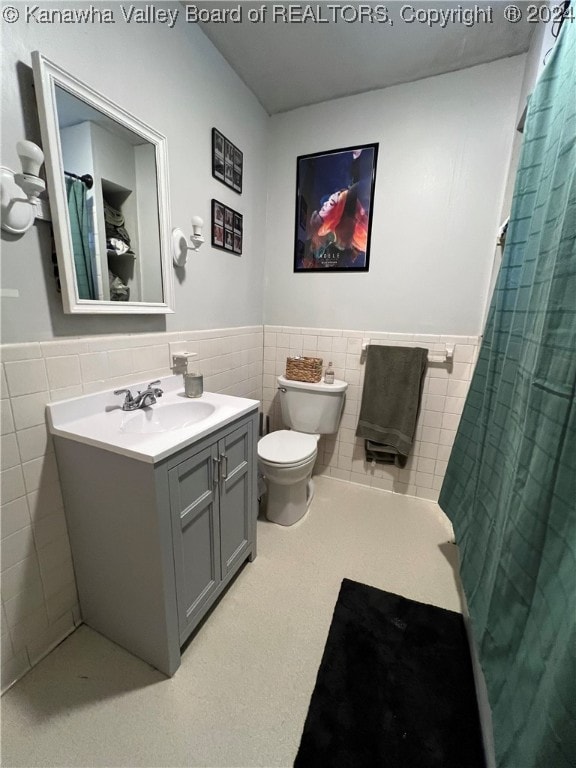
(197, 221)
(179, 248)
(17, 214)
(31, 157)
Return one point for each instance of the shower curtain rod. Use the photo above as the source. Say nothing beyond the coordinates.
(86, 179)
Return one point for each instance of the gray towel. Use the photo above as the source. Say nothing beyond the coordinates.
(390, 401)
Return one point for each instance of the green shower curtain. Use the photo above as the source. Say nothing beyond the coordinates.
(510, 486)
(79, 228)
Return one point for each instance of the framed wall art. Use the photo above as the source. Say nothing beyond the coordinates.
(227, 161)
(227, 228)
(334, 205)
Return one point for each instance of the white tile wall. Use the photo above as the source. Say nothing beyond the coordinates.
(342, 455)
(39, 600)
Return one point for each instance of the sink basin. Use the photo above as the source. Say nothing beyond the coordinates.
(150, 434)
(165, 418)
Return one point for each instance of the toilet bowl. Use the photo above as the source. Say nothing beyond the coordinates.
(286, 460)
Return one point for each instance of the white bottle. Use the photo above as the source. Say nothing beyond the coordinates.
(329, 374)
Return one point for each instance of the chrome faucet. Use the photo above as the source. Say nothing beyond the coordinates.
(142, 399)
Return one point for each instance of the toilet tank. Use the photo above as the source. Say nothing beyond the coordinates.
(313, 408)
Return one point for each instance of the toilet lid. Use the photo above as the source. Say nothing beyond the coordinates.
(286, 447)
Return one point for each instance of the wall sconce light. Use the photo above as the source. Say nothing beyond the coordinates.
(180, 245)
(19, 191)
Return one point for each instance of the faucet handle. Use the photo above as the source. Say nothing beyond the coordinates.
(123, 391)
(157, 390)
(128, 400)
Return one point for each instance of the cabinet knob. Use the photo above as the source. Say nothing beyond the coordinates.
(223, 466)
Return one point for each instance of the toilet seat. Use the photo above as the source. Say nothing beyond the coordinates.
(287, 448)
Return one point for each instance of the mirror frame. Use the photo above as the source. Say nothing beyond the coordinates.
(47, 76)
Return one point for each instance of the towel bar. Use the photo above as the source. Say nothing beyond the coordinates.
(447, 357)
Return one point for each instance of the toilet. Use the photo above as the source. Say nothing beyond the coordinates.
(286, 458)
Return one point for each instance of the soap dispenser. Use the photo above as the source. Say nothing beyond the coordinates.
(329, 374)
(193, 384)
(193, 381)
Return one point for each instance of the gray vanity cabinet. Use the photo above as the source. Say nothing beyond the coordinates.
(210, 496)
(235, 494)
(196, 534)
(155, 544)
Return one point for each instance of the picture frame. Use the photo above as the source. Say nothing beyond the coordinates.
(227, 228)
(334, 207)
(227, 161)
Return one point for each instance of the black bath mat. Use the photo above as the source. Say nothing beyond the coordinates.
(395, 688)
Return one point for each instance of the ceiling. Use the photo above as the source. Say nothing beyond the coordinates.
(304, 53)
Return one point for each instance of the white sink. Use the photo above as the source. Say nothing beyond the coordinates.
(164, 418)
(150, 434)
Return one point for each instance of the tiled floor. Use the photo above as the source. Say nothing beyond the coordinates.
(241, 695)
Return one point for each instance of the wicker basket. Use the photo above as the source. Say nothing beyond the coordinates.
(304, 369)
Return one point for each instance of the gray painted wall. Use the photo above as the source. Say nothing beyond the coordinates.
(174, 80)
(445, 146)
(445, 150)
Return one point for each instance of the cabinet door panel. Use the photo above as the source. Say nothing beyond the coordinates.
(195, 530)
(235, 495)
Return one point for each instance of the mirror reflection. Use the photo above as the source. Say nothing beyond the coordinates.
(110, 177)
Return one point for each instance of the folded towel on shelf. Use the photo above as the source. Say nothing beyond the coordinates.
(114, 224)
(391, 401)
(117, 245)
(112, 216)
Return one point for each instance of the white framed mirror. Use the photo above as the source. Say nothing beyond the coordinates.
(108, 188)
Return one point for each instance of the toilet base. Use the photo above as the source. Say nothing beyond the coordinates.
(286, 504)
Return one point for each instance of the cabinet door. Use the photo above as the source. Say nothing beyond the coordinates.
(236, 462)
(195, 531)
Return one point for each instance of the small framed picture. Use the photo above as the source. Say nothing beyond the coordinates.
(218, 145)
(227, 161)
(217, 155)
(227, 228)
(218, 235)
(218, 212)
